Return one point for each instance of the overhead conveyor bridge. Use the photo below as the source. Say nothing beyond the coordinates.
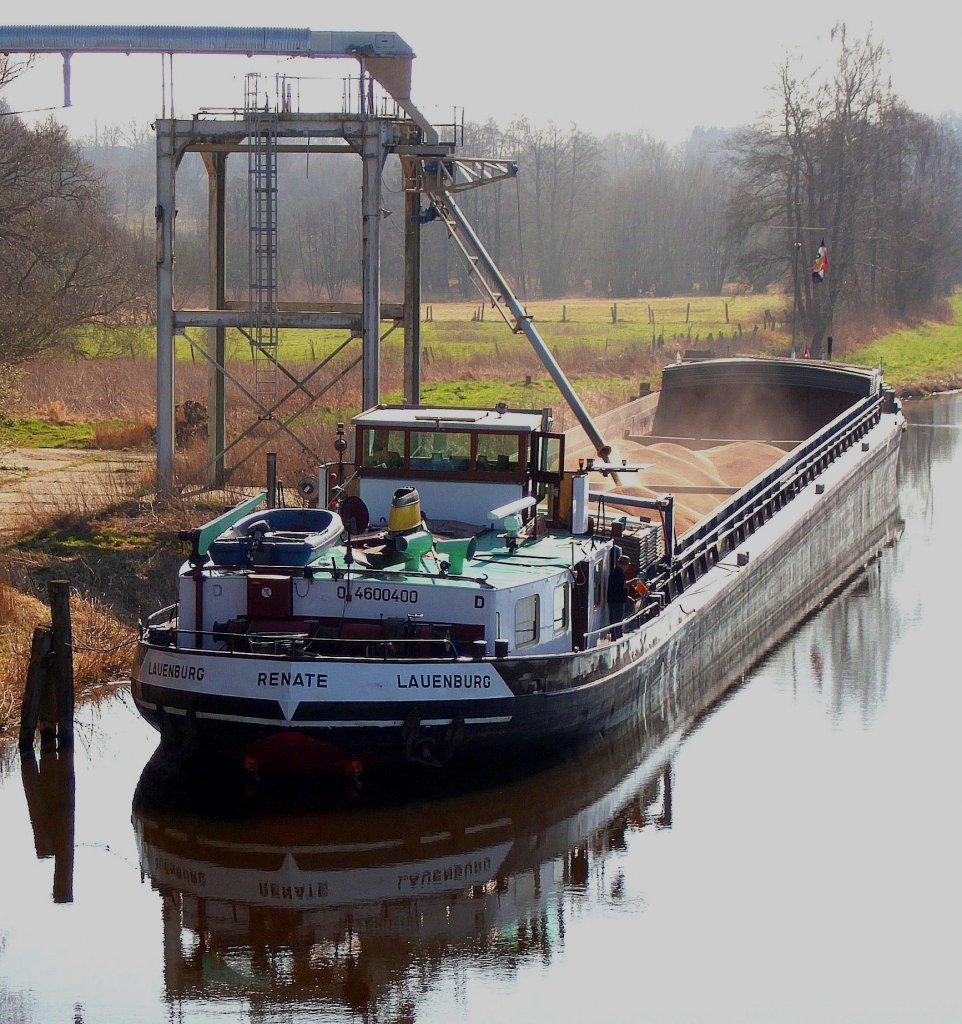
(429, 168)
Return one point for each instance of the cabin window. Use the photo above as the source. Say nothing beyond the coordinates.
(551, 455)
(383, 449)
(497, 453)
(561, 604)
(440, 451)
(526, 621)
(599, 577)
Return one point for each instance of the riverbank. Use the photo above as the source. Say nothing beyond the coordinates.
(921, 358)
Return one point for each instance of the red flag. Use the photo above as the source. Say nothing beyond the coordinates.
(821, 263)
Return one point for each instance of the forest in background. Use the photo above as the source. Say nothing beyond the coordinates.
(838, 158)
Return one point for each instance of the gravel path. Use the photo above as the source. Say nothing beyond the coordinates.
(37, 483)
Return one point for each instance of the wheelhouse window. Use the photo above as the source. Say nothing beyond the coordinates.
(465, 454)
(382, 449)
(440, 451)
(526, 621)
(498, 453)
(561, 605)
(599, 575)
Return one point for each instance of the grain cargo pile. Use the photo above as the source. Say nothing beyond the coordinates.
(700, 480)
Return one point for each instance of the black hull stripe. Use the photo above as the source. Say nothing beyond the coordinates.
(328, 723)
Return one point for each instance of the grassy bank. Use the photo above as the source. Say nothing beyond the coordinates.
(121, 564)
(921, 359)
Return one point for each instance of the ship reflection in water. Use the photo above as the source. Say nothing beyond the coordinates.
(363, 906)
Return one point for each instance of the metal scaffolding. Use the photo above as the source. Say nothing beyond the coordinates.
(262, 133)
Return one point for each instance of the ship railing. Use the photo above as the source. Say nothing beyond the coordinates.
(703, 546)
(646, 611)
(160, 630)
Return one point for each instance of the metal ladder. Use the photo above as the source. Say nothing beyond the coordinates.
(262, 244)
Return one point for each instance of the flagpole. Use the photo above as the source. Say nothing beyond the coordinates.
(797, 245)
(798, 249)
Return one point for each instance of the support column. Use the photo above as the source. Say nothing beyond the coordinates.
(412, 284)
(216, 164)
(165, 211)
(372, 159)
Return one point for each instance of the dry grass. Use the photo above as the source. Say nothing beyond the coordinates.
(119, 437)
(101, 649)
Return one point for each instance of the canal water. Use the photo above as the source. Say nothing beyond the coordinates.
(795, 856)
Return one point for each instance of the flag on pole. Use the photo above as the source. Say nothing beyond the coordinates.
(821, 263)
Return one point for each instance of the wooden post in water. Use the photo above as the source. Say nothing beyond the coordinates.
(61, 659)
(33, 691)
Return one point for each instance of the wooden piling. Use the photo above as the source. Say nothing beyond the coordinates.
(33, 691)
(61, 659)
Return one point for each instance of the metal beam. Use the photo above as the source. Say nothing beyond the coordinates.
(372, 161)
(216, 164)
(165, 211)
(412, 284)
(389, 310)
(295, 319)
(458, 222)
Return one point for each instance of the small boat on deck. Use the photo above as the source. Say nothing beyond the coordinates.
(452, 607)
(277, 536)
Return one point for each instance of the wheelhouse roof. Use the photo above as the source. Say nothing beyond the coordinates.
(441, 418)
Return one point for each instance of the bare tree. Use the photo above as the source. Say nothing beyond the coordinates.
(558, 170)
(843, 160)
(63, 259)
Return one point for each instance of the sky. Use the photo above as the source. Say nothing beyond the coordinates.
(606, 66)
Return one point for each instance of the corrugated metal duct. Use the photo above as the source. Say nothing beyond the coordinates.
(386, 56)
(250, 41)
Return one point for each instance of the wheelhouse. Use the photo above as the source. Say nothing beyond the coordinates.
(501, 455)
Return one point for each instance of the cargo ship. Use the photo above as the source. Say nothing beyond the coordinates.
(469, 594)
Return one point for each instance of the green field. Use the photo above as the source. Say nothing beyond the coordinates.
(456, 335)
(466, 361)
(925, 356)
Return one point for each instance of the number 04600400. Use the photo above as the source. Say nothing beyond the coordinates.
(367, 593)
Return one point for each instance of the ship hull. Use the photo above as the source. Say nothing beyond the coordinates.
(301, 712)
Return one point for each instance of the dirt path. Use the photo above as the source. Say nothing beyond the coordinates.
(38, 483)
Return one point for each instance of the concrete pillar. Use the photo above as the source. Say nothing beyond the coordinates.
(372, 159)
(165, 212)
(216, 164)
(412, 286)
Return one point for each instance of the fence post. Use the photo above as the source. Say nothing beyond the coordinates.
(61, 660)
